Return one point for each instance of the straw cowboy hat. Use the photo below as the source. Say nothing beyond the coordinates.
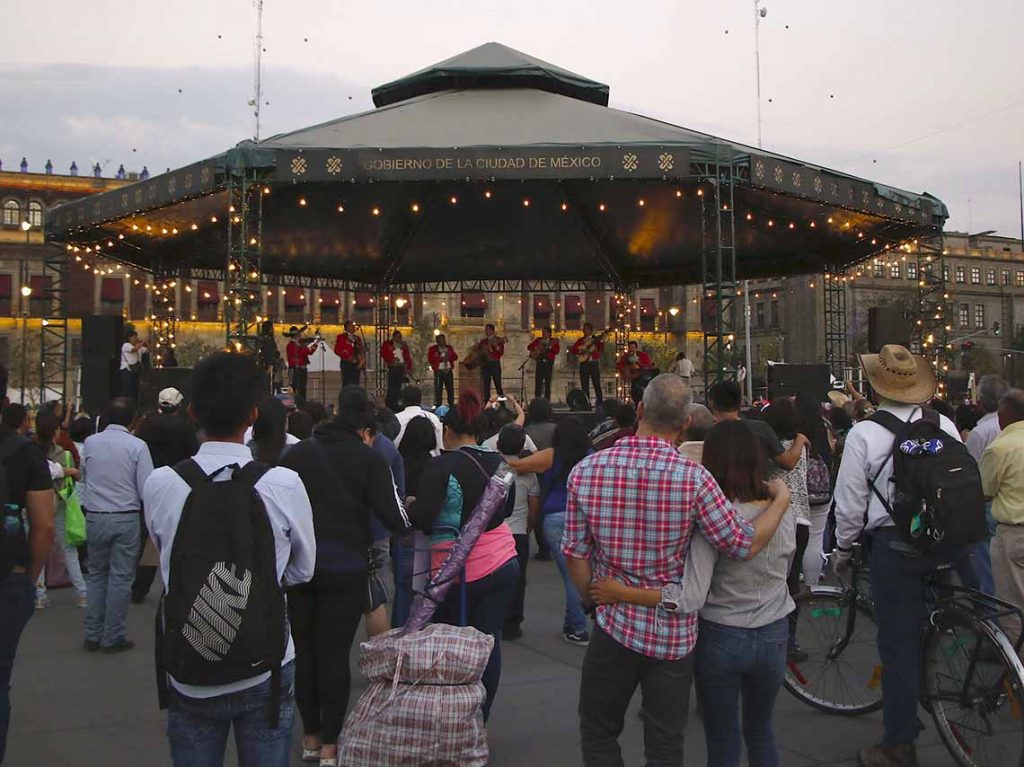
(838, 398)
(898, 375)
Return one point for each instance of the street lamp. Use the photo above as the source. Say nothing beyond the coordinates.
(26, 291)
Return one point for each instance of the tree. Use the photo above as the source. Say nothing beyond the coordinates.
(192, 349)
(22, 362)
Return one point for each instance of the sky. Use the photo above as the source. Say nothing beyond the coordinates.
(926, 96)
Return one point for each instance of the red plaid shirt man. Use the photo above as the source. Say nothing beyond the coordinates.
(631, 510)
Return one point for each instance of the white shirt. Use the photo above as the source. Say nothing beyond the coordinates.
(684, 368)
(289, 439)
(129, 356)
(527, 487)
(414, 411)
(491, 443)
(291, 518)
(981, 436)
(868, 447)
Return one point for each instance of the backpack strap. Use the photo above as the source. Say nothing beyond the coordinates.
(189, 471)
(899, 429)
(251, 473)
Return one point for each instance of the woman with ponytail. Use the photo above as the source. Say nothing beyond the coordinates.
(449, 489)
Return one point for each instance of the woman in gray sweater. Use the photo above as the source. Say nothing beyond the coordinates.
(743, 631)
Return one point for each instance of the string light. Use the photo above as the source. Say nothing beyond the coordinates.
(302, 202)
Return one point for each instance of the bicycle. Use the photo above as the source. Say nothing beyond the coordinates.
(972, 680)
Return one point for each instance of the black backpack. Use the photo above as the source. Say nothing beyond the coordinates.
(222, 618)
(938, 495)
(13, 532)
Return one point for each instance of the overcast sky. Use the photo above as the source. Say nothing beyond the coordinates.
(926, 96)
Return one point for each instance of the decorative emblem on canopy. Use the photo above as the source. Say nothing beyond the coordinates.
(298, 166)
(333, 165)
(630, 161)
(666, 161)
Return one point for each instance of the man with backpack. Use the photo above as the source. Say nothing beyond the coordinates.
(26, 490)
(230, 531)
(908, 481)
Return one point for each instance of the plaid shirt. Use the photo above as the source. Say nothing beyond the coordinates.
(631, 510)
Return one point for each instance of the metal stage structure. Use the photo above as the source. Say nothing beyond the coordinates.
(436, 191)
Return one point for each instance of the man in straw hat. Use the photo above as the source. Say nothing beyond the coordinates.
(901, 382)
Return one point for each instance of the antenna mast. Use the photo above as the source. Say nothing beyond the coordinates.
(258, 73)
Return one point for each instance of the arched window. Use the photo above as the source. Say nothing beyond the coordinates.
(11, 213)
(35, 213)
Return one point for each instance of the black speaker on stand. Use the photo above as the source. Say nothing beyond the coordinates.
(102, 336)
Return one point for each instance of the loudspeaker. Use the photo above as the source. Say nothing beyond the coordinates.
(156, 380)
(102, 335)
(887, 325)
(787, 380)
(99, 382)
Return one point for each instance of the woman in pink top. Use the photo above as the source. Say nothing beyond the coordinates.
(449, 490)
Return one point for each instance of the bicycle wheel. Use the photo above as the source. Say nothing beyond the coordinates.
(974, 684)
(842, 673)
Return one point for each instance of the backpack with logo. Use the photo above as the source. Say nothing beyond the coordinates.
(222, 618)
(937, 486)
(819, 480)
(14, 532)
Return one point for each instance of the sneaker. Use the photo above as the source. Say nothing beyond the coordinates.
(904, 755)
(122, 646)
(42, 602)
(578, 638)
(83, 601)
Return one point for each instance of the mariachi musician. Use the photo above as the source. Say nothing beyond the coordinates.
(297, 353)
(491, 349)
(352, 353)
(442, 359)
(544, 351)
(396, 356)
(631, 366)
(587, 350)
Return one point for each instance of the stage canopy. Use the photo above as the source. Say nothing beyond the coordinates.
(495, 166)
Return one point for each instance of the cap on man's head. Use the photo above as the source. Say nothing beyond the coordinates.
(169, 398)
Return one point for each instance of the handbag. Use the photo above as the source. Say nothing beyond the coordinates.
(74, 518)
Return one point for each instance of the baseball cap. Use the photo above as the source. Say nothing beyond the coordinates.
(169, 398)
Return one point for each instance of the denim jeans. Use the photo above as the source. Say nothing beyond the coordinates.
(487, 601)
(611, 673)
(17, 605)
(197, 728)
(898, 591)
(735, 663)
(71, 562)
(113, 541)
(575, 619)
(516, 607)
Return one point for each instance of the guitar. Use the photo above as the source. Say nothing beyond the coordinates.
(481, 352)
(587, 349)
(632, 370)
(541, 350)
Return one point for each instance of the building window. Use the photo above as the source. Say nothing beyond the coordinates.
(879, 269)
(12, 213)
(35, 213)
(975, 275)
(42, 295)
(362, 308)
(207, 300)
(965, 315)
(111, 295)
(895, 272)
(961, 274)
(403, 309)
(474, 305)
(979, 315)
(911, 270)
(541, 310)
(330, 307)
(573, 312)
(648, 315)
(295, 305)
(775, 312)
(990, 276)
(945, 273)
(1020, 278)
(1006, 278)
(760, 314)
(6, 293)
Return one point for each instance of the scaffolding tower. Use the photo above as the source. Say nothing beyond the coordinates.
(718, 270)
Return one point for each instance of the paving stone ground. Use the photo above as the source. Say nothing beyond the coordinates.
(72, 708)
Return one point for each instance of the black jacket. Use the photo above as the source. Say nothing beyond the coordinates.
(347, 482)
(169, 437)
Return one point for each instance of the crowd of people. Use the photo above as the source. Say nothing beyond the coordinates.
(684, 534)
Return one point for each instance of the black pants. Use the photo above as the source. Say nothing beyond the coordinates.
(444, 380)
(349, 373)
(130, 384)
(144, 574)
(491, 371)
(298, 380)
(396, 379)
(516, 606)
(324, 620)
(542, 378)
(590, 373)
(803, 534)
(611, 673)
